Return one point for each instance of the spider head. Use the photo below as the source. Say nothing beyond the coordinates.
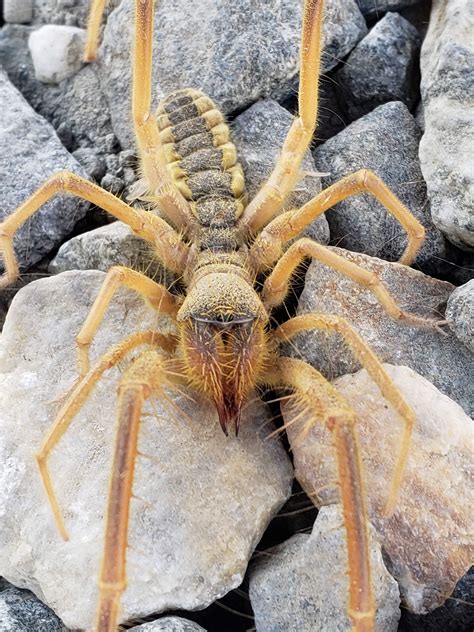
(223, 341)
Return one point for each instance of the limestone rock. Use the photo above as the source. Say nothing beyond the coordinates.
(382, 67)
(442, 359)
(203, 499)
(259, 134)
(460, 313)
(428, 542)
(30, 152)
(56, 52)
(303, 584)
(386, 142)
(447, 71)
(169, 624)
(18, 11)
(250, 51)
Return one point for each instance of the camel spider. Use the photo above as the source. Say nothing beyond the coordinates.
(219, 244)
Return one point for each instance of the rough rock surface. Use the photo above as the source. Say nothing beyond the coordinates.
(386, 142)
(106, 246)
(382, 67)
(236, 67)
(428, 542)
(21, 611)
(57, 52)
(460, 313)
(18, 11)
(70, 12)
(376, 8)
(76, 108)
(447, 70)
(182, 552)
(259, 134)
(289, 589)
(30, 152)
(169, 624)
(442, 359)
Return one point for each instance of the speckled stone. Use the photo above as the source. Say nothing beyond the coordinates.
(460, 313)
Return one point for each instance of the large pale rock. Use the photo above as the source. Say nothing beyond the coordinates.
(428, 542)
(442, 359)
(236, 53)
(386, 142)
(447, 69)
(303, 584)
(460, 313)
(30, 152)
(203, 500)
(57, 52)
(258, 134)
(169, 624)
(18, 11)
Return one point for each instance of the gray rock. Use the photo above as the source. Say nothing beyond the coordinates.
(203, 499)
(460, 313)
(236, 66)
(70, 12)
(106, 246)
(428, 541)
(21, 611)
(303, 584)
(77, 104)
(169, 624)
(442, 359)
(30, 152)
(258, 134)
(386, 142)
(376, 8)
(18, 11)
(382, 67)
(56, 51)
(112, 183)
(92, 162)
(447, 69)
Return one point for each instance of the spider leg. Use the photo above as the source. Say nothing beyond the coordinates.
(75, 402)
(374, 368)
(278, 281)
(271, 197)
(317, 396)
(144, 377)
(93, 29)
(167, 242)
(153, 161)
(155, 295)
(289, 225)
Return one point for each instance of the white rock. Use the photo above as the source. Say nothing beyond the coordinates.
(57, 52)
(447, 61)
(428, 542)
(208, 497)
(303, 584)
(18, 11)
(169, 624)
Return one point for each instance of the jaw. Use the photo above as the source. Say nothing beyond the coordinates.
(229, 408)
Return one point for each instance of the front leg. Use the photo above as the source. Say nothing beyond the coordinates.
(314, 394)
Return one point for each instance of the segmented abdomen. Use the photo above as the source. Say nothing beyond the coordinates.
(203, 163)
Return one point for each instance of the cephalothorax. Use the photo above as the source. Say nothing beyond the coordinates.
(218, 244)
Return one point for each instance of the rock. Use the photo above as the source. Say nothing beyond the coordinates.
(455, 615)
(442, 359)
(428, 541)
(57, 52)
(382, 67)
(70, 12)
(21, 611)
(447, 71)
(236, 67)
(112, 183)
(386, 142)
(375, 8)
(92, 162)
(76, 106)
(460, 313)
(107, 246)
(18, 11)
(207, 498)
(289, 588)
(169, 624)
(30, 152)
(259, 133)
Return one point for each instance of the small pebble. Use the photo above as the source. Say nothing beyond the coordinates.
(57, 52)
(18, 11)
(111, 183)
